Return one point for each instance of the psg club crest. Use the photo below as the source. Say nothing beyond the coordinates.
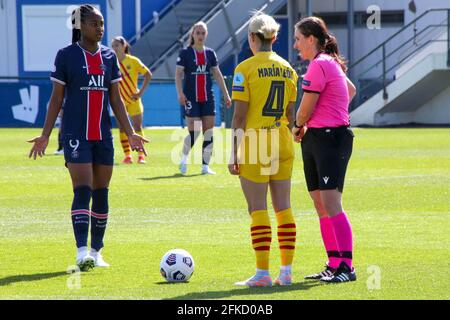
(102, 67)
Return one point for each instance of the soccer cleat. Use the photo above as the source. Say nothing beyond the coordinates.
(207, 170)
(127, 160)
(284, 279)
(183, 168)
(98, 259)
(328, 272)
(58, 152)
(141, 160)
(256, 281)
(86, 262)
(342, 274)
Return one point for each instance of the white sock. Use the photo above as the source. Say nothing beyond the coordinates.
(81, 251)
(184, 158)
(286, 269)
(262, 272)
(205, 166)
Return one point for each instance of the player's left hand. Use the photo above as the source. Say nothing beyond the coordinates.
(137, 143)
(227, 102)
(39, 145)
(298, 133)
(136, 96)
(234, 169)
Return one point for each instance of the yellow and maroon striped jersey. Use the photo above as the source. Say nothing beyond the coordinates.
(130, 68)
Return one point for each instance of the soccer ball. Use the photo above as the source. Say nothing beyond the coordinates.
(177, 265)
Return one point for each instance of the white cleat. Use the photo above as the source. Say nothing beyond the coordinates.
(207, 170)
(58, 152)
(183, 168)
(255, 281)
(85, 261)
(98, 260)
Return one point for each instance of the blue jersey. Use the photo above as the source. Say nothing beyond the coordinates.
(87, 78)
(197, 73)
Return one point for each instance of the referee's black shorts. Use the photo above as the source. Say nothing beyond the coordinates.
(326, 152)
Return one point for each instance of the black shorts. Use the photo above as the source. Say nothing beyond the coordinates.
(326, 152)
(83, 151)
(200, 109)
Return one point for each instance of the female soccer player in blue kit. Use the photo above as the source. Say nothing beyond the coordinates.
(86, 75)
(196, 64)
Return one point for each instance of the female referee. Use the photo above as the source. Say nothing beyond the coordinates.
(130, 68)
(196, 63)
(87, 75)
(264, 92)
(327, 143)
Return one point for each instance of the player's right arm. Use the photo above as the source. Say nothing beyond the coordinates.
(238, 128)
(40, 143)
(179, 72)
(59, 78)
(241, 98)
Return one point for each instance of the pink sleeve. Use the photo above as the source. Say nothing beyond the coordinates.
(314, 79)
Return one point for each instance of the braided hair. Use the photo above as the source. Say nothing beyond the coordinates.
(79, 15)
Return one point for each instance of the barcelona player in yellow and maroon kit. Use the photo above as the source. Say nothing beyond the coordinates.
(264, 92)
(130, 68)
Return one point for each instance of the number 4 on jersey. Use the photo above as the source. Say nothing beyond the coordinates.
(276, 91)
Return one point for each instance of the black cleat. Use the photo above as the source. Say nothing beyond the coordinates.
(342, 274)
(328, 272)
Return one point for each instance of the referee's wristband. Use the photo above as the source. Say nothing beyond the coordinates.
(295, 124)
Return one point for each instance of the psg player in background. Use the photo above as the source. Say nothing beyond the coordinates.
(196, 63)
(86, 76)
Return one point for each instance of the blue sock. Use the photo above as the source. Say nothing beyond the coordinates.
(80, 214)
(99, 217)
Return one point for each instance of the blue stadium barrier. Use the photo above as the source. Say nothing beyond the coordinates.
(24, 104)
(161, 107)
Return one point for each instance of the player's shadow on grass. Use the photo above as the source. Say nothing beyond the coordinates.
(300, 286)
(174, 176)
(30, 277)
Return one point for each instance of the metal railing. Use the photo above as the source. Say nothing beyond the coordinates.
(176, 45)
(153, 21)
(387, 57)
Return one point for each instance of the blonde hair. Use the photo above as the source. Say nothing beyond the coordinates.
(195, 26)
(264, 26)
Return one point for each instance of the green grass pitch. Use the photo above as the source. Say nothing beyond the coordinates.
(397, 195)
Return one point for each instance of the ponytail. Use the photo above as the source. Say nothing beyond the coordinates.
(331, 48)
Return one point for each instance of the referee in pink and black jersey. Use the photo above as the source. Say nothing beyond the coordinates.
(322, 126)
